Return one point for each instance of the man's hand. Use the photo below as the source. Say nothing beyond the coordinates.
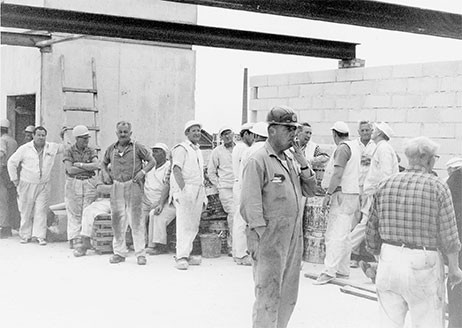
(455, 278)
(158, 209)
(107, 179)
(15, 182)
(298, 155)
(139, 176)
(326, 201)
(259, 231)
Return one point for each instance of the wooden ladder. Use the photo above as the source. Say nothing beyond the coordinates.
(70, 108)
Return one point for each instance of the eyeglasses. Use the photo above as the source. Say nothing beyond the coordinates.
(437, 157)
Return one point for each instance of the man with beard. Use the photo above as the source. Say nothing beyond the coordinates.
(272, 206)
(127, 177)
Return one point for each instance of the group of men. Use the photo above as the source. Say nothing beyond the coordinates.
(407, 219)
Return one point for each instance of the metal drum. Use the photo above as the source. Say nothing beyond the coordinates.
(314, 228)
(314, 250)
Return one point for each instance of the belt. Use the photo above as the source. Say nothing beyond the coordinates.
(81, 177)
(410, 246)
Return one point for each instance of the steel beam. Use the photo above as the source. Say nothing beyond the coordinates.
(73, 22)
(22, 39)
(365, 13)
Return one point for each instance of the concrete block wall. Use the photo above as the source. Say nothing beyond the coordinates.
(418, 99)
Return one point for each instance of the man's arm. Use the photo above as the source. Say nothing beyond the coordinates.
(145, 155)
(212, 168)
(13, 164)
(105, 174)
(178, 176)
(373, 240)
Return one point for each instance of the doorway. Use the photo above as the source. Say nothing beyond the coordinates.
(20, 113)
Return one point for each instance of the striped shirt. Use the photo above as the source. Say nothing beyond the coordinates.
(414, 208)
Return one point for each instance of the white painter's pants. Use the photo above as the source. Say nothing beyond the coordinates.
(98, 207)
(188, 203)
(239, 226)
(227, 201)
(33, 200)
(158, 224)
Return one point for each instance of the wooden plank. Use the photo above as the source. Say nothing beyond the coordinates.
(343, 282)
(79, 90)
(79, 109)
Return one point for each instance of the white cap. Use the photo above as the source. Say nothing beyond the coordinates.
(260, 128)
(162, 146)
(4, 123)
(29, 128)
(80, 131)
(341, 127)
(385, 128)
(454, 162)
(191, 123)
(223, 129)
(246, 126)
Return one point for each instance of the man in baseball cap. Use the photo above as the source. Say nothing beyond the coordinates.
(341, 181)
(81, 164)
(271, 204)
(9, 213)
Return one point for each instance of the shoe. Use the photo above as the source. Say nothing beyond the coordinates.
(364, 266)
(41, 241)
(195, 260)
(24, 240)
(5, 232)
(157, 250)
(116, 258)
(354, 264)
(323, 279)
(141, 260)
(80, 251)
(243, 260)
(342, 276)
(182, 264)
(368, 270)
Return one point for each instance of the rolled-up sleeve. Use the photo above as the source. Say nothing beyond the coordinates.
(373, 240)
(251, 196)
(308, 185)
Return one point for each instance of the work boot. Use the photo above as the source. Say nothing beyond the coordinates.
(158, 249)
(24, 240)
(5, 232)
(41, 241)
(195, 260)
(141, 260)
(323, 279)
(182, 264)
(243, 260)
(116, 258)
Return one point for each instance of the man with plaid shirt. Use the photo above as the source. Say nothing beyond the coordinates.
(411, 223)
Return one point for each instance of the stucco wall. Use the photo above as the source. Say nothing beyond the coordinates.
(419, 99)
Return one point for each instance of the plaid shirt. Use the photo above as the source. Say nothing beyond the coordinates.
(414, 208)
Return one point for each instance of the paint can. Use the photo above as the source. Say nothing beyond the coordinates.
(210, 245)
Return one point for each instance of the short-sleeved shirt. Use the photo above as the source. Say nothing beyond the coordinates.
(126, 164)
(342, 155)
(74, 155)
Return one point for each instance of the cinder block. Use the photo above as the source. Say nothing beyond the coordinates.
(322, 129)
(253, 92)
(434, 130)
(391, 115)
(440, 99)
(347, 102)
(423, 84)
(378, 73)
(312, 116)
(362, 115)
(267, 92)
(440, 69)
(279, 79)
(323, 76)
(458, 99)
(337, 88)
(392, 86)
(377, 101)
(300, 103)
(277, 102)
(363, 87)
(458, 131)
(448, 145)
(451, 83)
(450, 114)
(323, 102)
(258, 104)
(310, 90)
(411, 70)
(350, 74)
(258, 81)
(261, 116)
(407, 130)
(337, 115)
(406, 101)
(287, 91)
(299, 78)
(423, 115)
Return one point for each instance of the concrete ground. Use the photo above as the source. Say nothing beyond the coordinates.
(46, 286)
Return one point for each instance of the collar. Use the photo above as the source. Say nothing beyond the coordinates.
(417, 168)
(74, 146)
(129, 143)
(193, 146)
(272, 153)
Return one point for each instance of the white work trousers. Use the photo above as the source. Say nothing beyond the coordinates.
(158, 225)
(78, 195)
(337, 238)
(410, 280)
(188, 203)
(227, 201)
(359, 232)
(126, 200)
(33, 202)
(98, 207)
(239, 226)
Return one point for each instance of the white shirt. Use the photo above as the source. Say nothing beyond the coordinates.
(28, 159)
(246, 155)
(155, 181)
(366, 151)
(384, 163)
(220, 168)
(238, 151)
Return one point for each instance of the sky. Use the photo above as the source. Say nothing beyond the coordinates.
(219, 72)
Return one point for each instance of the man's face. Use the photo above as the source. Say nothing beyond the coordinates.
(365, 132)
(123, 133)
(159, 155)
(248, 137)
(284, 136)
(194, 134)
(304, 135)
(28, 136)
(227, 137)
(375, 133)
(40, 138)
(82, 142)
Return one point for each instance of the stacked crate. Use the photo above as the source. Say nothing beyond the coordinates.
(103, 234)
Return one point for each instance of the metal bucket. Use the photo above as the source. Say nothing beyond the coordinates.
(210, 245)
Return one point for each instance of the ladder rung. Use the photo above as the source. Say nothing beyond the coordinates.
(79, 90)
(80, 109)
(93, 128)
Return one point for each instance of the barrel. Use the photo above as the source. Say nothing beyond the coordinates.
(314, 249)
(314, 229)
(210, 245)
